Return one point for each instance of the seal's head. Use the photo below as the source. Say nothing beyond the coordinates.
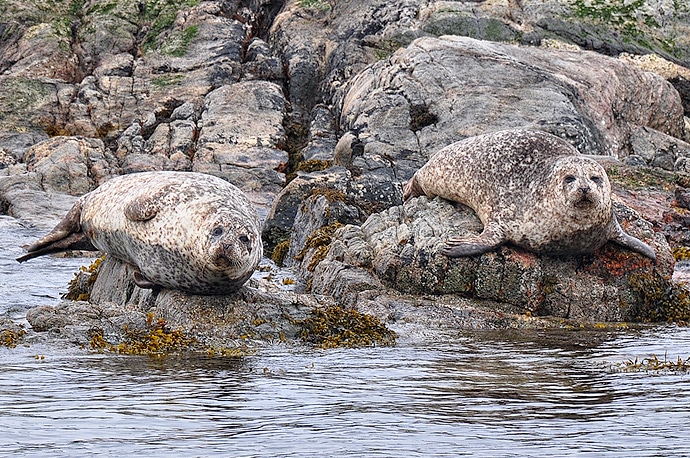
(233, 246)
(583, 188)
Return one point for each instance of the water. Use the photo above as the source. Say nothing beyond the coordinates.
(485, 394)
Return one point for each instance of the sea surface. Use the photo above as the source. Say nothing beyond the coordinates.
(482, 394)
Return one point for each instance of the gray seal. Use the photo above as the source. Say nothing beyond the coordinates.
(180, 230)
(529, 188)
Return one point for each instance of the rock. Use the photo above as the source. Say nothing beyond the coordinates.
(658, 149)
(400, 249)
(71, 165)
(241, 128)
(258, 312)
(281, 216)
(587, 104)
(682, 196)
(18, 143)
(22, 197)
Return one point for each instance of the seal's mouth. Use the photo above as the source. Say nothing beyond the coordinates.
(584, 203)
(227, 259)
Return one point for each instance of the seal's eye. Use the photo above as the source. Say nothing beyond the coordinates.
(248, 243)
(217, 231)
(569, 179)
(597, 180)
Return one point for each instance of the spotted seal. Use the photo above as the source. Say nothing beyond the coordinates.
(180, 230)
(529, 188)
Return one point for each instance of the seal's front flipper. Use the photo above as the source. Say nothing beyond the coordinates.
(471, 245)
(146, 207)
(634, 244)
(65, 236)
(143, 282)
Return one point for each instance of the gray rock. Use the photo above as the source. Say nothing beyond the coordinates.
(71, 165)
(240, 131)
(259, 312)
(400, 249)
(658, 149)
(18, 143)
(22, 197)
(280, 224)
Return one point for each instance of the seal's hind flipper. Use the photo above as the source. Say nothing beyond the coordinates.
(471, 245)
(65, 236)
(76, 241)
(634, 244)
(412, 189)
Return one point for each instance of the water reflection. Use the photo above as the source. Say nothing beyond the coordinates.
(486, 394)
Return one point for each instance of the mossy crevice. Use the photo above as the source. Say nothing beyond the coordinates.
(280, 252)
(320, 240)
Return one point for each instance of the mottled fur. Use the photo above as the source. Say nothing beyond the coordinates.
(529, 188)
(187, 231)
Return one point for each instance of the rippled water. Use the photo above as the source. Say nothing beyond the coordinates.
(527, 393)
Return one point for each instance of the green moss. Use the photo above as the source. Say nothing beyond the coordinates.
(178, 44)
(164, 81)
(643, 177)
(318, 5)
(659, 299)
(386, 48)
(20, 100)
(338, 327)
(160, 15)
(79, 290)
(101, 8)
(623, 15)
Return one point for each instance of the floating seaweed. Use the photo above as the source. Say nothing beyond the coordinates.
(653, 364)
(10, 338)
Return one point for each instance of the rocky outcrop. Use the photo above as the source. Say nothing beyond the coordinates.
(401, 249)
(260, 311)
(320, 111)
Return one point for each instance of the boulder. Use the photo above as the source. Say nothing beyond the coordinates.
(240, 133)
(400, 249)
(71, 165)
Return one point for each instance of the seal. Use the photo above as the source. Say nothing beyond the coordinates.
(180, 230)
(529, 188)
